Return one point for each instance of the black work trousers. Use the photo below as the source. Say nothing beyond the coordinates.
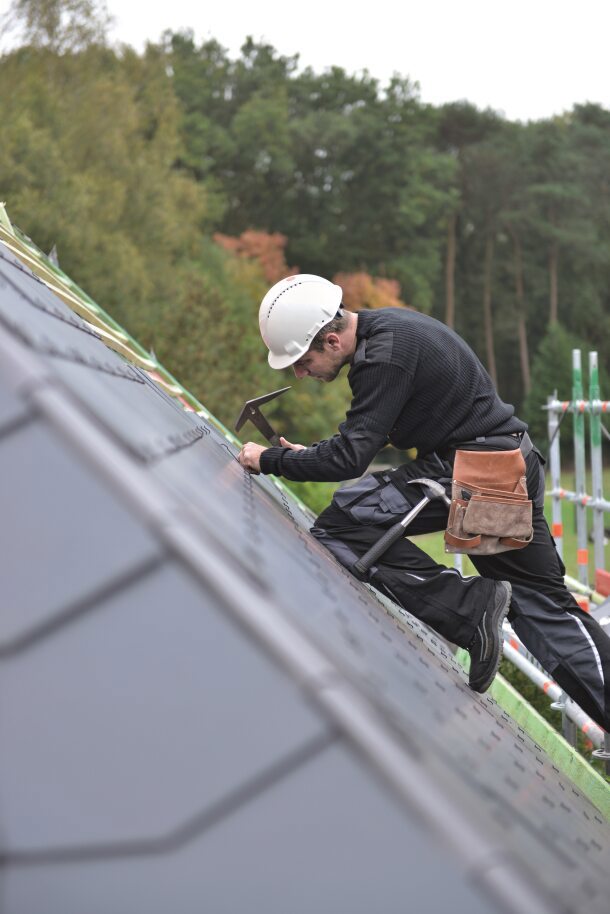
(566, 640)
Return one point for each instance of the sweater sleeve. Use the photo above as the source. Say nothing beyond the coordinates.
(380, 391)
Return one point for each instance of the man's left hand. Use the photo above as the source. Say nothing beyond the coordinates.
(250, 457)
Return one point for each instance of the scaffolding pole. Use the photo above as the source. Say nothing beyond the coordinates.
(580, 479)
(555, 469)
(573, 712)
(597, 477)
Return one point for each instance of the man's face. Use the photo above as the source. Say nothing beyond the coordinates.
(323, 366)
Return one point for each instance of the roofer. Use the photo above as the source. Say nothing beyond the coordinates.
(416, 383)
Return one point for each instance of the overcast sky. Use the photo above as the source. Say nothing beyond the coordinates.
(527, 58)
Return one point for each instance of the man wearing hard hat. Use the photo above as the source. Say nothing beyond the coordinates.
(417, 384)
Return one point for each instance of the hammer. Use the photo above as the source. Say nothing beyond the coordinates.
(252, 412)
(432, 489)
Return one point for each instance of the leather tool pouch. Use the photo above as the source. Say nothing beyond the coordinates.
(490, 511)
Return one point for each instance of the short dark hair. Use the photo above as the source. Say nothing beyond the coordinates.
(338, 323)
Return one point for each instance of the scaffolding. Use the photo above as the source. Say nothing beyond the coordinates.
(573, 718)
(595, 408)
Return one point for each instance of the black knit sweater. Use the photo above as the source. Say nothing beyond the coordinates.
(415, 383)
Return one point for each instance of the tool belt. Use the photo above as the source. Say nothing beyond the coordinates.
(490, 510)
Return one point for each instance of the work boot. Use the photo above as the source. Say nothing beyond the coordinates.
(485, 649)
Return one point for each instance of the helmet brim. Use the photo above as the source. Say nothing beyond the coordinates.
(282, 361)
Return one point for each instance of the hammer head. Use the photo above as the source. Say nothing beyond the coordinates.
(432, 488)
(252, 412)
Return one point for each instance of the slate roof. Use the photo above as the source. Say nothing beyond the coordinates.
(201, 711)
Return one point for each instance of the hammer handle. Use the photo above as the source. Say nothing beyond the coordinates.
(369, 558)
(390, 536)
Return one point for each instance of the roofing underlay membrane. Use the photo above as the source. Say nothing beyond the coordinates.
(200, 711)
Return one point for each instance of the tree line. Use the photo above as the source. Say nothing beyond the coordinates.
(178, 182)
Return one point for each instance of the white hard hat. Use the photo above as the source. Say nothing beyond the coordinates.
(292, 312)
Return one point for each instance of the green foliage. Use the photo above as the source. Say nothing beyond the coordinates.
(320, 153)
(316, 495)
(532, 694)
(89, 145)
(129, 163)
(552, 372)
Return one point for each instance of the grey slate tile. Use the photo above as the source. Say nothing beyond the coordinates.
(12, 409)
(118, 394)
(146, 706)
(327, 838)
(132, 410)
(64, 534)
(138, 715)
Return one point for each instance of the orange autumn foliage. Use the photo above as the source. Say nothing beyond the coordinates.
(361, 290)
(267, 248)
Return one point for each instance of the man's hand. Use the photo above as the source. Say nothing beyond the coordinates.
(250, 454)
(250, 457)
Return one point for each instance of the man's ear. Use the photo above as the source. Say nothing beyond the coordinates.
(333, 341)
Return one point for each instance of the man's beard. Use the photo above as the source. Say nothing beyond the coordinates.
(331, 373)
